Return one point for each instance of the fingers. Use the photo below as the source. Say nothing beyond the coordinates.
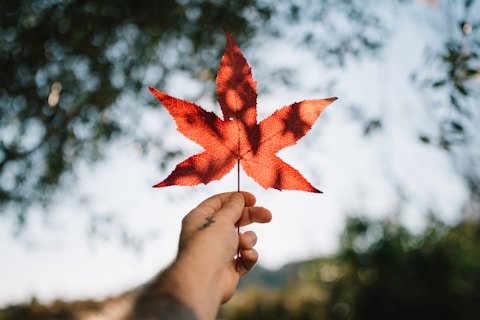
(246, 261)
(248, 256)
(255, 214)
(235, 206)
(231, 207)
(250, 199)
(216, 202)
(238, 208)
(247, 240)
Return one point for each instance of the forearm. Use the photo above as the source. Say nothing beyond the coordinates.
(163, 306)
(158, 300)
(180, 292)
(205, 274)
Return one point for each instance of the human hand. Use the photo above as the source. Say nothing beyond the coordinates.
(205, 273)
(209, 237)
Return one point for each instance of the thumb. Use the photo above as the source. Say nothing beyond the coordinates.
(232, 208)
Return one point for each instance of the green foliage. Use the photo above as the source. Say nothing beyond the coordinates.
(66, 65)
(392, 274)
(61, 310)
(69, 66)
(298, 302)
(37, 311)
(455, 71)
(382, 272)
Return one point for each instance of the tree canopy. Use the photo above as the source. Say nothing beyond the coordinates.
(382, 271)
(67, 65)
(70, 70)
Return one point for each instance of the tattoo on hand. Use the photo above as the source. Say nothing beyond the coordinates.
(207, 224)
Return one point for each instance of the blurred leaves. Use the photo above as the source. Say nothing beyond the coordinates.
(457, 72)
(63, 310)
(66, 65)
(396, 275)
(36, 310)
(74, 74)
(68, 68)
(382, 271)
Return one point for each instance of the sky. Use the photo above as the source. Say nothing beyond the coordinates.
(359, 175)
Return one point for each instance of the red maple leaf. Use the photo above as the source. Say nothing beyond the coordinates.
(238, 138)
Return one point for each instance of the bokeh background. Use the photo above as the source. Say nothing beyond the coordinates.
(396, 233)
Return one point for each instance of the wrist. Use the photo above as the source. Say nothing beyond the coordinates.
(196, 284)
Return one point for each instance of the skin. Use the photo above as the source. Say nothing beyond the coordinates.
(206, 270)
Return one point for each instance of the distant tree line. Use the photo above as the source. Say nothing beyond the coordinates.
(382, 271)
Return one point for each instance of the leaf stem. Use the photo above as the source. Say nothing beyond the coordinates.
(238, 223)
(238, 174)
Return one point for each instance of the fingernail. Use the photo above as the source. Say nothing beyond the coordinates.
(236, 197)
